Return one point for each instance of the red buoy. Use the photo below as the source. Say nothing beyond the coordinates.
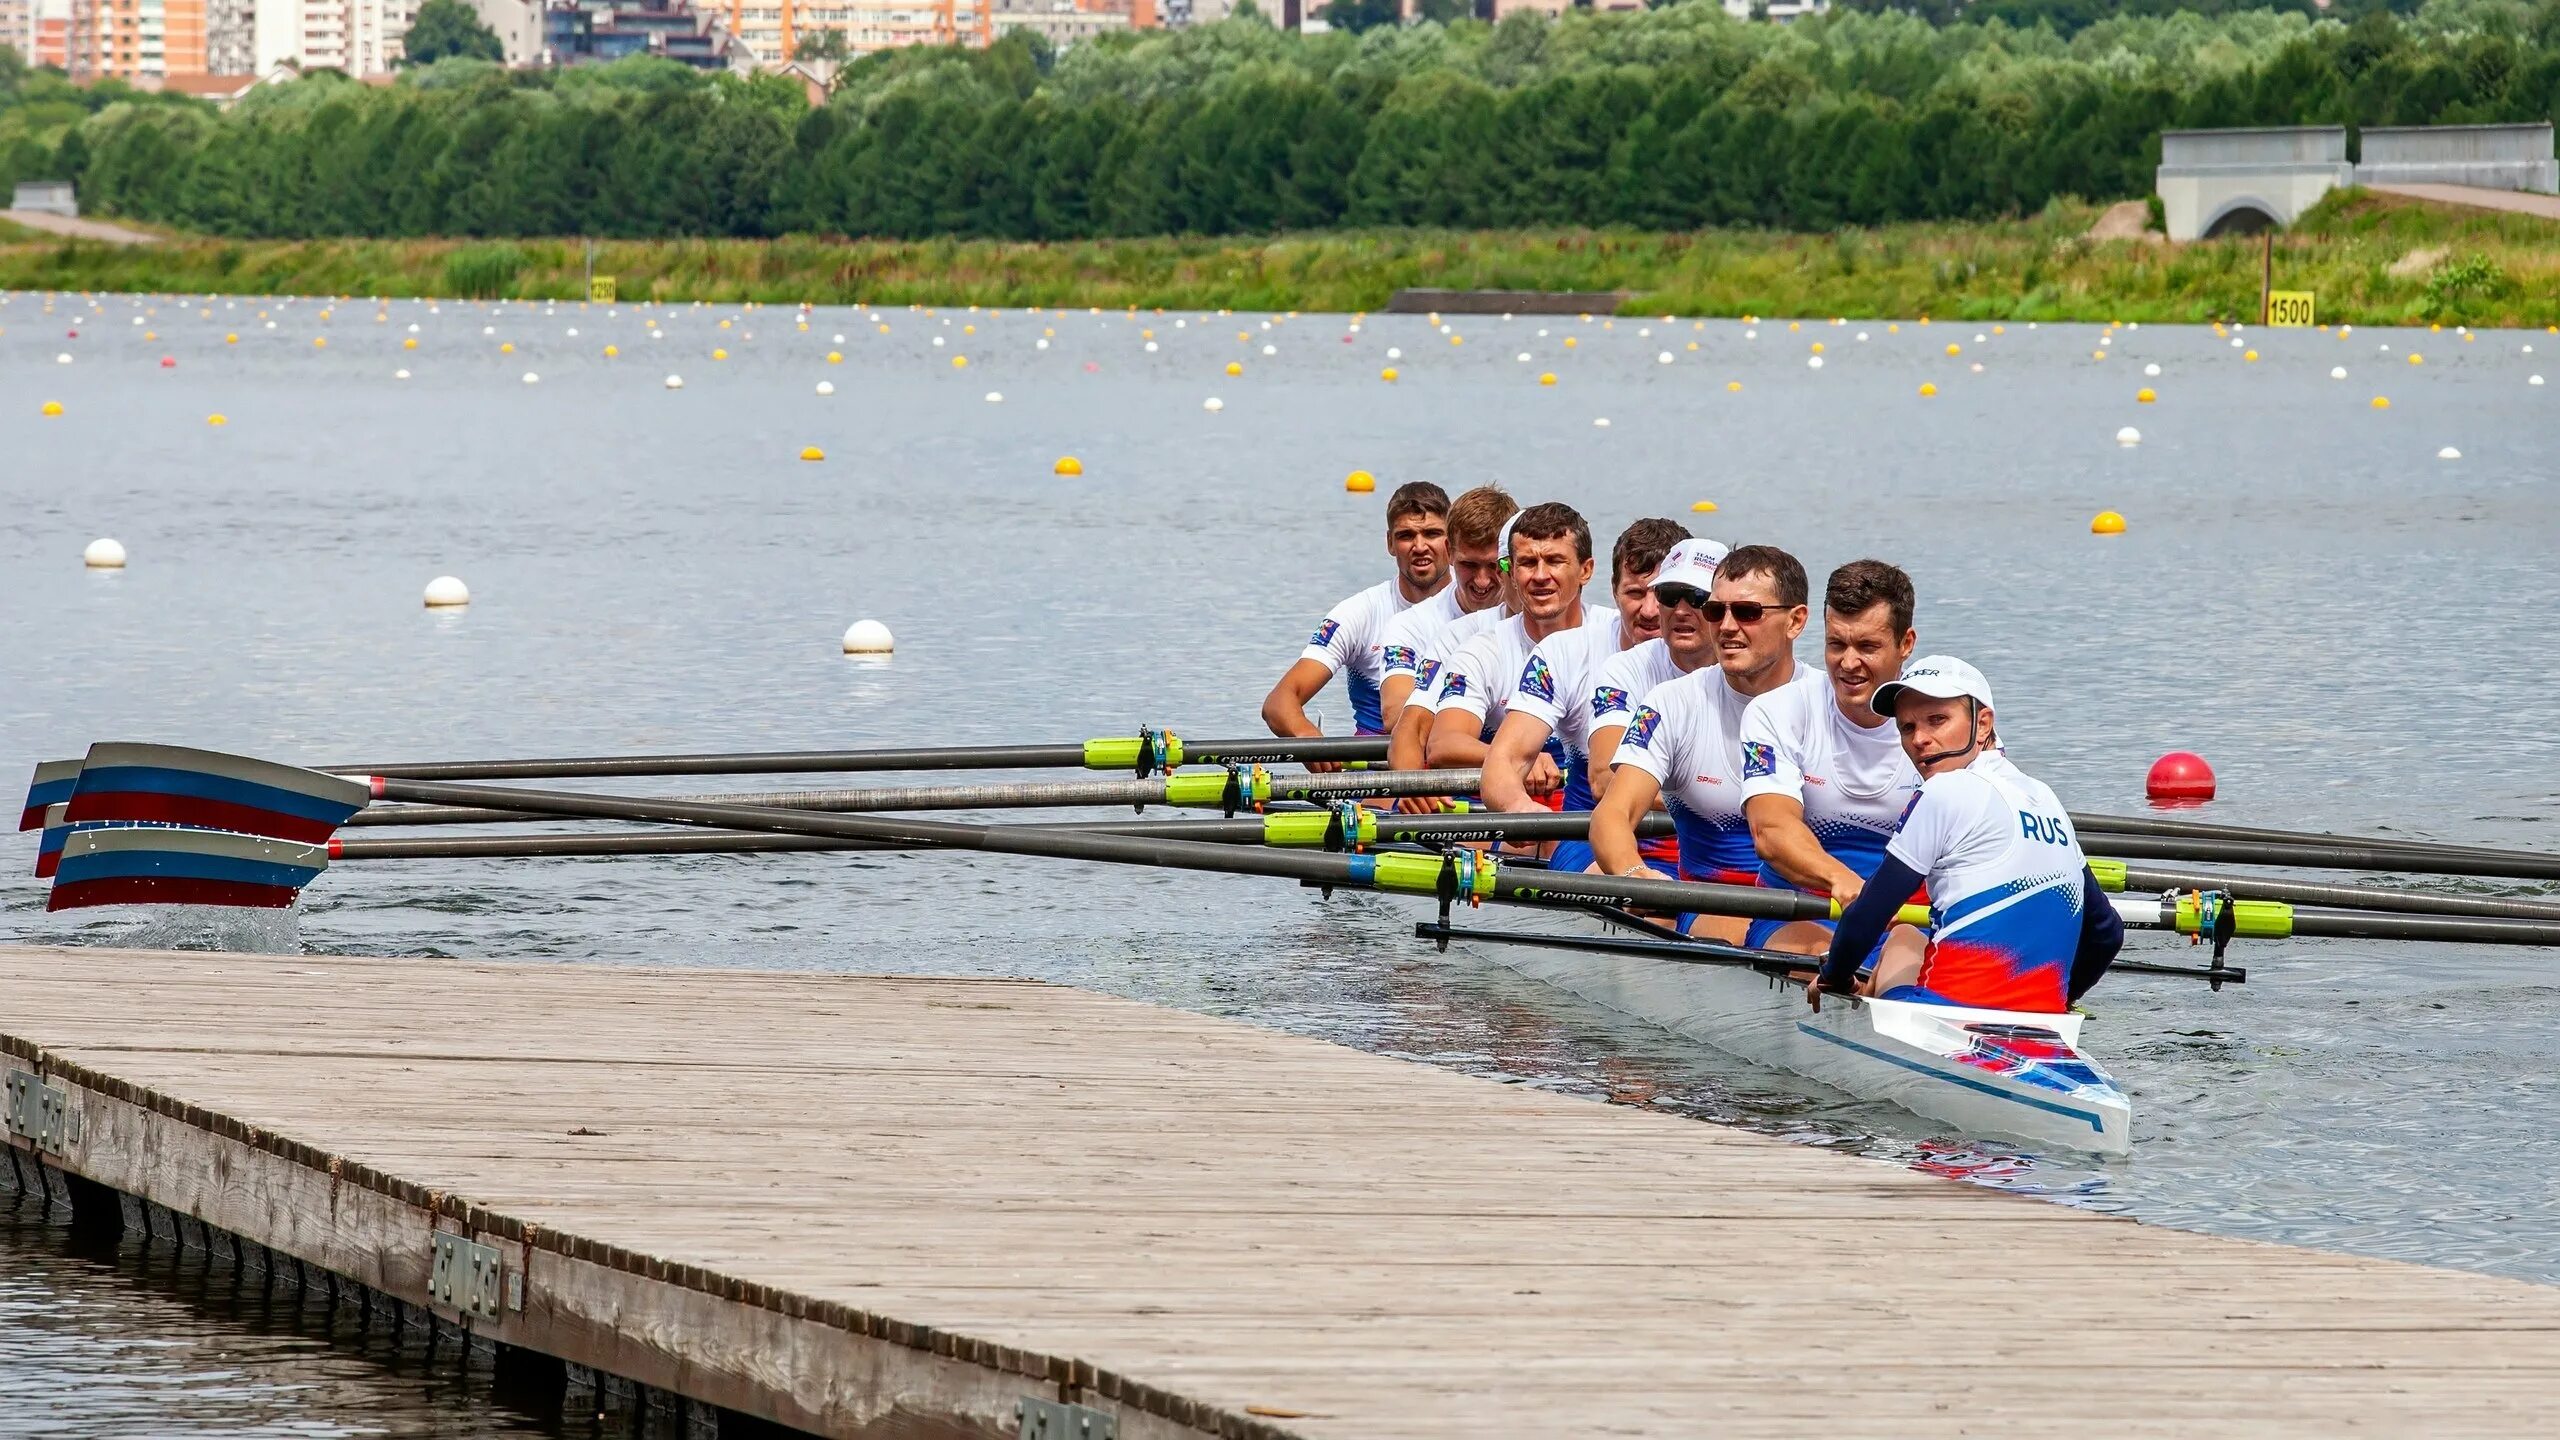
(168, 362)
(2179, 775)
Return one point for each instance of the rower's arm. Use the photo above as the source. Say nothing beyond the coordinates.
(1864, 923)
(1405, 744)
(1604, 753)
(2101, 935)
(1456, 741)
(1396, 689)
(1614, 818)
(1285, 708)
(1506, 762)
(1779, 833)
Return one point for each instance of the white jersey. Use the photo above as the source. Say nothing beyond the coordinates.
(2004, 878)
(1554, 686)
(1854, 782)
(1485, 674)
(1623, 682)
(1350, 640)
(1440, 644)
(1687, 735)
(1402, 646)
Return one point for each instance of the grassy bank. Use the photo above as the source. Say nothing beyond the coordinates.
(2371, 259)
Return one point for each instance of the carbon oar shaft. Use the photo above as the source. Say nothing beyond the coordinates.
(2353, 897)
(1198, 789)
(2156, 828)
(1116, 754)
(2517, 866)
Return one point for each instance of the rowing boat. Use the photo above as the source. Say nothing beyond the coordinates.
(2000, 1073)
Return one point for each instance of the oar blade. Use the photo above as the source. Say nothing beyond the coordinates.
(51, 786)
(177, 865)
(209, 790)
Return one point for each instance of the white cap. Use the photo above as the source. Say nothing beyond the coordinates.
(1692, 562)
(1943, 677)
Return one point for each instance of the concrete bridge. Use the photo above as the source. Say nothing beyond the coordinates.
(2237, 182)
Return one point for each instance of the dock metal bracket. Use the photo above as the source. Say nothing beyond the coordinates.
(1057, 1420)
(40, 1110)
(468, 1276)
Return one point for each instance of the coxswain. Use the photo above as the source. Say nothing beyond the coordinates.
(1551, 699)
(1824, 779)
(2017, 921)
(1349, 637)
(1684, 743)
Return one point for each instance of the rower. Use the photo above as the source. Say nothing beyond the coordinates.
(1434, 644)
(1684, 743)
(1627, 678)
(1423, 635)
(1550, 562)
(1348, 638)
(1552, 695)
(2017, 919)
(1824, 779)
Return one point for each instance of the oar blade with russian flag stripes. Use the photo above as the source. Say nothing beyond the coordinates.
(207, 790)
(52, 786)
(176, 865)
(49, 841)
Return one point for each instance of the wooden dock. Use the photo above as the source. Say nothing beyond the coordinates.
(905, 1207)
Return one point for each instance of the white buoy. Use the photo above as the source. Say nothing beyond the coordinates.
(2448, 453)
(1394, 354)
(1813, 362)
(995, 397)
(1270, 349)
(1213, 404)
(1040, 344)
(868, 637)
(2337, 372)
(675, 382)
(444, 591)
(1862, 335)
(826, 387)
(2152, 370)
(1522, 357)
(1664, 358)
(103, 554)
(62, 359)
(2128, 437)
(1151, 347)
(532, 379)
(1750, 334)
(1602, 423)
(399, 374)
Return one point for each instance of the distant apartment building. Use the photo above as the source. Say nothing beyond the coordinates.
(17, 26)
(49, 33)
(771, 29)
(230, 37)
(518, 24)
(360, 37)
(1069, 22)
(588, 32)
(141, 42)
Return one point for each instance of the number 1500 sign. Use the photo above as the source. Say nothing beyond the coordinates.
(2289, 309)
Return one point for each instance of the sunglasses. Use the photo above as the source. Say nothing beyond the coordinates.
(1744, 612)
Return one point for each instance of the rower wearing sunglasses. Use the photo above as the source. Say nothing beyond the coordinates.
(2017, 919)
(1824, 779)
(1628, 679)
(1684, 743)
(1550, 699)
(1550, 555)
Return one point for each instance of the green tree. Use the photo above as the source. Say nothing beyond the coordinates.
(828, 45)
(449, 27)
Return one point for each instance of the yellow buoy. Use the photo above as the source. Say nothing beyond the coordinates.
(1927, 389)
(53, 407)
(812, 452)
(2381, 402)
(2097, 354)
(1955, 349)
(2250, 356)
(1794, 326)
(612, 350)
(1233, 368)
(507, 349)
(1547, 378)
(959, 362)
(1817, 347)
(1704, 507)
(884, 329)
(231, 339)
(1568, 342)
(1388, 374)
(1067, 465)
(1733, 385)
(2144, 396)
(2108, 522)
(835, 357)
(2417, 359)
(719, 354)
(1457, 339)
(319, 343)
(1359, 482)
(409, 344)
(217, 420)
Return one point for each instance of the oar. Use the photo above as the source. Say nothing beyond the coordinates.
(1778, 964)
(2191, 914)
(2115, 875)
(2500, 864)
(1228, 790)
(2164, 829)
(1146, 753)
(1301, 829)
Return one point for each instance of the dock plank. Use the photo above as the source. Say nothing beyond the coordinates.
(984, 1188)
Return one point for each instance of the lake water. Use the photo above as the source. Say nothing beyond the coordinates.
(2353, 630)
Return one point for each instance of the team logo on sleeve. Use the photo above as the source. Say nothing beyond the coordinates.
(1399, 657)
(1759, 759)
(1424, 673)
(1906, 811)
(1325, 632)
(1455, 687)
(1640, 730)
(1607, 700)
(1537, 680)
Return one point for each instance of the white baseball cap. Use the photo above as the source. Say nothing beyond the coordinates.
(1942, 677)
(1692, 562)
